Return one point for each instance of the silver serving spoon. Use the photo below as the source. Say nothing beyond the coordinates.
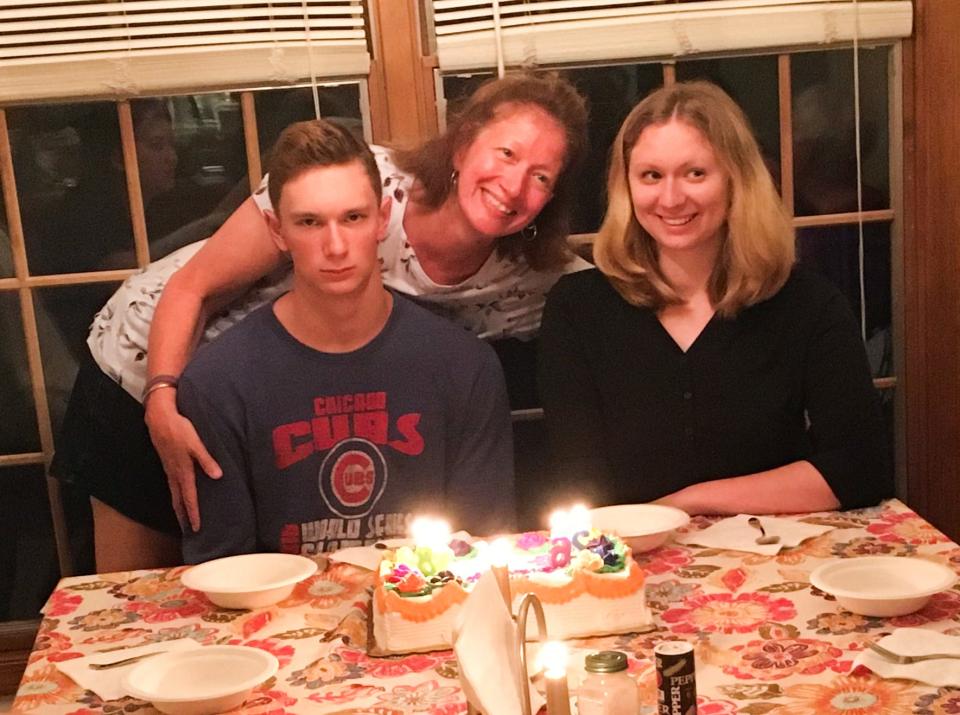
(125, 661)
(763, 538)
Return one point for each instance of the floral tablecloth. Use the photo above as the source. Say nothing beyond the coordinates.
(766, 640)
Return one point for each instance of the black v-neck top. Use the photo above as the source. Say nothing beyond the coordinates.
(631, 417)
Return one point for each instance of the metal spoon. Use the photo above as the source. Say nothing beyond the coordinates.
(906, 659)
(763, 538)
(125, 661)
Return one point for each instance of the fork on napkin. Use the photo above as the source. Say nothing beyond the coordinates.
(106, 682)
(737, 534)
(916, 642)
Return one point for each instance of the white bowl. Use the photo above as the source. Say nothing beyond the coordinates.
(201, 681)
(642, 526)
(882, 585)
(248, 580)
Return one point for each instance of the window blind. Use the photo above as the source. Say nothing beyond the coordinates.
(68, 49)
(545, 32)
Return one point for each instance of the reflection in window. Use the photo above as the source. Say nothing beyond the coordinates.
(278, 108)
(824, 126)
(834, 252)
(752, 82)
(18, 428)
(28, 556)
(64, 314)
(71, 186)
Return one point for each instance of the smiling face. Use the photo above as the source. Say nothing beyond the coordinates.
(507, 173)
(680, 191)
(331, 221)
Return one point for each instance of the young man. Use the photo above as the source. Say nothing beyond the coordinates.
(342, 410)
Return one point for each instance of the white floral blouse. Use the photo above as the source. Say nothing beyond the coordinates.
(504, 298)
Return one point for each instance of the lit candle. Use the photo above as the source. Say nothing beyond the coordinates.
(429, 532)
(499, 558)
(570, 524)
(553, 660)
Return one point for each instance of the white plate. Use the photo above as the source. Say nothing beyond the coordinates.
(882, 585)
(201, 681)
(642, 526)
(249, 580)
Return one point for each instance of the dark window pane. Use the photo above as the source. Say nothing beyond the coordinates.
(64, 315)
(193, 166)
(28, 556)
(611, 93)
(753, 83)
(834, 252)
(71, 186)
(824, 139)
(277, 108)
(18, 428)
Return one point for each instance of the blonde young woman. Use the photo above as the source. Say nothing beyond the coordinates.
(699, 366)
(477, 232)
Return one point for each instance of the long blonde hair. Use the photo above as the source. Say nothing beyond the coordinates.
(757, 249)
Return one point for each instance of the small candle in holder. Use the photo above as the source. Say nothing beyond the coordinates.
(553, 659)
(499, 559)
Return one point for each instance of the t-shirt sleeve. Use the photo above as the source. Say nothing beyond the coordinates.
(846, 426)
(261, 196)
(228, 522)
(480, 477)
(578, 469)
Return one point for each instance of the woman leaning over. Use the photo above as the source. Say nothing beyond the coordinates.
(699, 366)
(477, 231)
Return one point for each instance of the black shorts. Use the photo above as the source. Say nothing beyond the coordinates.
(104, 449)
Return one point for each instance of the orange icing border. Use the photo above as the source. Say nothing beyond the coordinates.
(595, 584)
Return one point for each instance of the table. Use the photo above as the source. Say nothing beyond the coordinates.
(766, 640)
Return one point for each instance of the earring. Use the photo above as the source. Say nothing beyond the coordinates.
(454, 175)
(529, 233)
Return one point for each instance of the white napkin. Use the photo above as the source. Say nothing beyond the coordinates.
(368, 557)
(106, 683)
(735, 533)
(486, 648)
(916, 641)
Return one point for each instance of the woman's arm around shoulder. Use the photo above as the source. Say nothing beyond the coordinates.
(235, 257)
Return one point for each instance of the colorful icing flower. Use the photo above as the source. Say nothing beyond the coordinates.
(45, 686)
(62, 603)
(847, 695)
(107, 618)
(413, 582)
(724, 613)
(459, 547)
(777, 659)
(587, 560)
(531, 540)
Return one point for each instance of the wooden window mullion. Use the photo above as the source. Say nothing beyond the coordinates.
(130, 167)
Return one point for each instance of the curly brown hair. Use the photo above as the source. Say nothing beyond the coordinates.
(432, 162)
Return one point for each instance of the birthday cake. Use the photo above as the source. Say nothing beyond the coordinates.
(588, 585)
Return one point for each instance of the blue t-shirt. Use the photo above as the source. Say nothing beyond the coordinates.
(325, 450)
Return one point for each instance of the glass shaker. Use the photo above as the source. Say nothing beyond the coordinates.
(607, 689)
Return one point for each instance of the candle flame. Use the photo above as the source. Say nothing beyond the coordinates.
(430, 532)
(568, 522)
(552, 659)
(499, 552)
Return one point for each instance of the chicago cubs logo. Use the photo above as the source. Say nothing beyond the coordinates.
(352, 478)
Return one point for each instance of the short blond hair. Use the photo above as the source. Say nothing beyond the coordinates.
(757, 250)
